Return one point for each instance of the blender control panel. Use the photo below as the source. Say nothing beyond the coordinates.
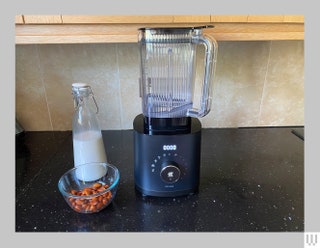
(169, 166)
(166, 165)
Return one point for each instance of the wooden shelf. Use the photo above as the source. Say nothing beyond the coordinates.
(57, 29)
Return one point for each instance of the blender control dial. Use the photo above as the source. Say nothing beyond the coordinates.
(170, 172)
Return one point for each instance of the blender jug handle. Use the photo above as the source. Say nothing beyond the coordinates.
(211, 48)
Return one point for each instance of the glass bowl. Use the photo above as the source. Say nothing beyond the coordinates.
(89, 188)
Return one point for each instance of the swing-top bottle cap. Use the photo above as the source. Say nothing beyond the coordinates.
(80, 85)
(81, 88)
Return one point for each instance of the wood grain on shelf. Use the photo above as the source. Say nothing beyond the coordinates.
(98, 29)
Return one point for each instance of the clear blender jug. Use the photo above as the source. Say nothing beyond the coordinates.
(168, 69)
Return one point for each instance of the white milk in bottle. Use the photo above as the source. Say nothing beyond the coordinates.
(88, 147)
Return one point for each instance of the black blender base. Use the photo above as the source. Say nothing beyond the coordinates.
(144, 192)
(167, 165)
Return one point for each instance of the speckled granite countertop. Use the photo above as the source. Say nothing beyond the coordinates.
(252, 180)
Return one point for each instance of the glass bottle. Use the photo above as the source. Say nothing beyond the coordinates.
(88, 146)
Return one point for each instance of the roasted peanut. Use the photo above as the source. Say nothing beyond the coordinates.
(97, 185)
(90, 205)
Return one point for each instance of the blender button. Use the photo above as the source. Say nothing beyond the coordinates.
(170, 174)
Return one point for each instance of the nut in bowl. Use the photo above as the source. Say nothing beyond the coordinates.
(89, 188)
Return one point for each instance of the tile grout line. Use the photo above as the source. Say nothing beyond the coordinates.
(119, 89)
(264, 84)
(43, 85)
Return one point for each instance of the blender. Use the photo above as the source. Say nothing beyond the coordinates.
(167, 134)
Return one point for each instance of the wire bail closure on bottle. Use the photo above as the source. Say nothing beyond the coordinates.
(95, 103)
(79, 90)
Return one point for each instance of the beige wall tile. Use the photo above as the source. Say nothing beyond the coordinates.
(129, 73)
(56, 73)
(240, 74)
(283, 97)
(95, 64)
(256, 84)
(31, 106)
